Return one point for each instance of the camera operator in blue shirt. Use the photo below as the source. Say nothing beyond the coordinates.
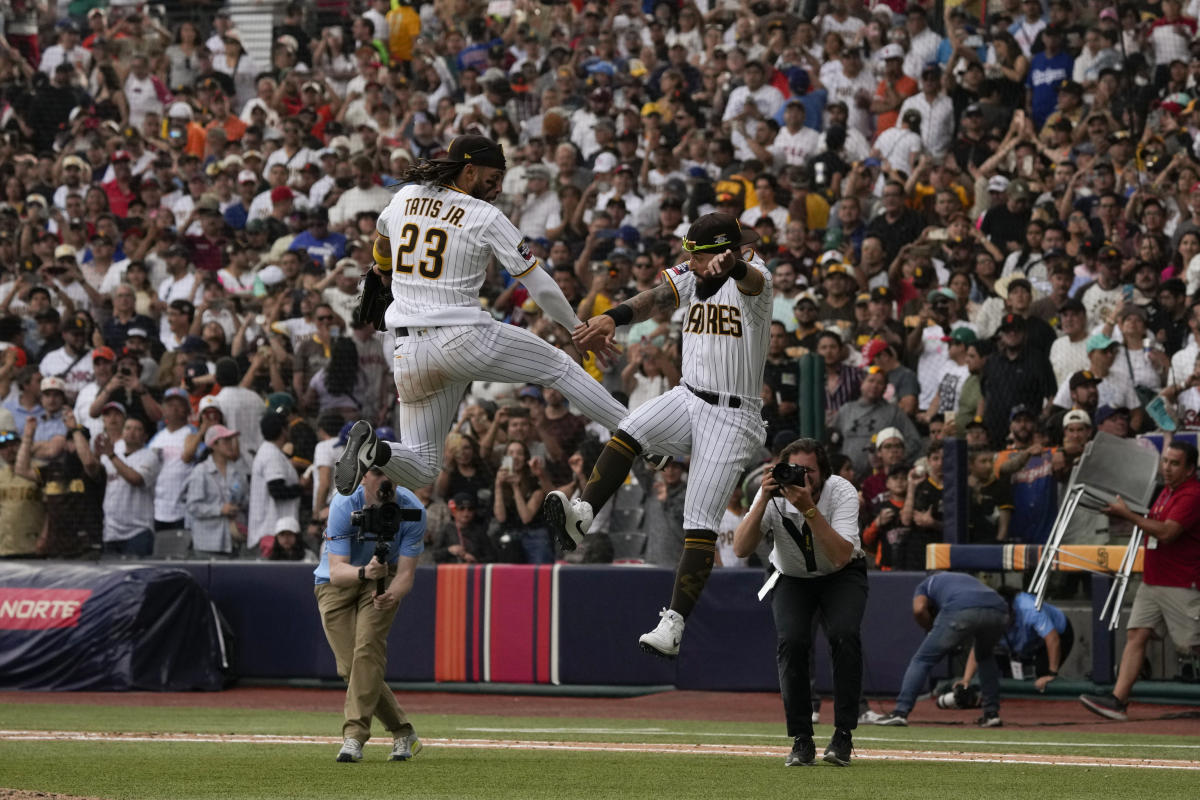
(819, 567)
(358, 593)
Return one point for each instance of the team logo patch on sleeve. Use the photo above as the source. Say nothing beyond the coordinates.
(679, 269)
(525, 250)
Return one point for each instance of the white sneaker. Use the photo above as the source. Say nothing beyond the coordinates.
(816, 717)
(351, 751)
(664, 639)
(568, 520)
(869, 717)
(405, 747)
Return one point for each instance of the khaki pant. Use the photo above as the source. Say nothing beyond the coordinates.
(357, 634)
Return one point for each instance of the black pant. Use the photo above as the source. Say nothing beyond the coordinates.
(841, 599)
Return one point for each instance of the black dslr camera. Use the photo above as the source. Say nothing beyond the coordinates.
(790, 474)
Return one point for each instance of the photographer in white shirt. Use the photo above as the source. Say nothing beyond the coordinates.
(819, 567)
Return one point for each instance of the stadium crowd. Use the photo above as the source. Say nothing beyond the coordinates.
(983, 219)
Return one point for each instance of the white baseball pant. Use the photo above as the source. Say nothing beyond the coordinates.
(433, 366)
(721, 441)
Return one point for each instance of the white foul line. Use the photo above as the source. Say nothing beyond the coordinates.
(609, 747)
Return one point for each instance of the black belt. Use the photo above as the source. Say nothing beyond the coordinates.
(401, 332)
(714, 399)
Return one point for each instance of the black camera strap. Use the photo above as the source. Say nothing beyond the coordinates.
(804, 540)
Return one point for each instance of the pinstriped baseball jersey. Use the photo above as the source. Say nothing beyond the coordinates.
(441, 239)
(724, 336)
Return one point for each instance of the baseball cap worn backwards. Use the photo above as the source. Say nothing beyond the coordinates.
(716, 233)
(478, 150)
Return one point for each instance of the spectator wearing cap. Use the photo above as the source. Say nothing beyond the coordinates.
(936, 109)
(903, 388)
(1069, 352)
(22, 513)
(925, 340)
(893, 89)
(1039, 336)
(861, 419)
(1140, 358)
(1047, 70)
(755, 98)
(584, 121)
(73, 171)
(1005, 223)
(1069, 109)
(1105, 295)
(1026, 465)
(322, 246)
(365, 195)
(464, 539)
(71, 363)
(947, 398)
(1015, 376)
(274, 485)
(132, 470)
(216, 496)
(104, 362)
(170, 490)
(889, 452)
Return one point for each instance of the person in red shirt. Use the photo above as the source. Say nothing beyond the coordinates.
(1169, 598)
(120, 189)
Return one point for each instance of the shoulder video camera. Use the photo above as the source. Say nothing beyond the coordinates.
(383, 520)
(790, 474)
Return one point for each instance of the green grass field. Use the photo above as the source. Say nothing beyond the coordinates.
(230, 771)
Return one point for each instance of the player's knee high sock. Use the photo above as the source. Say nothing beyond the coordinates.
(611, 468)
(695, 565)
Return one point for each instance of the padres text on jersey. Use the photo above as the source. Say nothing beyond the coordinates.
(724, 336)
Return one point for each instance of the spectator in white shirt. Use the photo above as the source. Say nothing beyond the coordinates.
(66, 51)
(274, 486)
(129, 499)
(366, 195)
(540, 207)
(922, 42)
(167, 444)
(795, 142)
(937, 111)
(242, 408)
(756, 98)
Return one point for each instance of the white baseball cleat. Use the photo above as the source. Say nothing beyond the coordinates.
(569, 520)
(664, 639)
(357, 457)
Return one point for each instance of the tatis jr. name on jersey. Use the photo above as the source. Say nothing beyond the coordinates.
(714, 318)
(432, 207)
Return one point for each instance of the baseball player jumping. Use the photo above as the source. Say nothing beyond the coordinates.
(714, 413)
(434, 241)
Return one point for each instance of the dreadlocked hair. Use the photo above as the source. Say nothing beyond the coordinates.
(431, 173)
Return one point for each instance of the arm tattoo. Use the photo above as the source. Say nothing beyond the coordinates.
(661, 298)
